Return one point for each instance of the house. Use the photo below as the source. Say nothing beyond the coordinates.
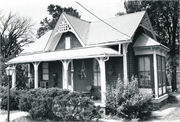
(80, 55)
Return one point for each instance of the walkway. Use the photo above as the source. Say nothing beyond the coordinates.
(13, 116)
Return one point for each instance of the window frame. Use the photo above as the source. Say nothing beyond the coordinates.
(151, 71)
(162, 75)
(47, 68)
(67, 42)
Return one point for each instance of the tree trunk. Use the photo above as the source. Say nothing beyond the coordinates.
(173, 80)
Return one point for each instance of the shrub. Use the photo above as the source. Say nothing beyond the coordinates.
(172, 99)
(2, 89)
(57, 104)
(14, 98)
(73, 107)
(38, 102)
(129, 102)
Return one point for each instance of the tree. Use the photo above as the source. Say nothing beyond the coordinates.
(55, 11)
(16, 32)
(164, 16)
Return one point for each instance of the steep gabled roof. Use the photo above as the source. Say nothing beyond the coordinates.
(80, 26)
(92, 33)
(102, 33)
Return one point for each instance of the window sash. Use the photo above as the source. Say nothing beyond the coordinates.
(144, 71)
(45, 71)
(67, 43)
(161, 75)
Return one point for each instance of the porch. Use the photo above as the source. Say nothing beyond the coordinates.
(82, 75)
(77, 71)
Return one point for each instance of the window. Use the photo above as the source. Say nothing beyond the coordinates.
(67, 43)
(161, 75)
(96, 71)
(144, 72)
(45, 71)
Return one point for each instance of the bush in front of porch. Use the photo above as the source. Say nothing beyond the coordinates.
(49, 104)
(127, 101)
(73, 107)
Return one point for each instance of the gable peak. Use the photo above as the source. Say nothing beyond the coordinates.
(63, 26)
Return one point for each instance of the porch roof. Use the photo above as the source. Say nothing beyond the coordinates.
(80, 53)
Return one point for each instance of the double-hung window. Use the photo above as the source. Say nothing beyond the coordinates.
(96, 72)
(161, 75)
(144, 71)
(45, 71)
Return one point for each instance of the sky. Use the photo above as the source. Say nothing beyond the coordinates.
(37, 9)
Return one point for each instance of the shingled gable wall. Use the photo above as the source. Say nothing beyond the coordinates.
(73, 40)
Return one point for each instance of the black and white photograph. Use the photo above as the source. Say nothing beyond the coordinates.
(89, 60)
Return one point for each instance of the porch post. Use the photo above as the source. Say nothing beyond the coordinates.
(65, 73)
(155, 74)
(36, 64)
(101, 61)
(72, 75)
(14, 77)
(125, 62)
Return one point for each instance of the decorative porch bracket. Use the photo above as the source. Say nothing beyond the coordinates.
(65, 73)
(36, 65)
(102, 65)
(125, 47)
(14, 76)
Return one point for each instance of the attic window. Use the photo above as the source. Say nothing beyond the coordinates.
(63, 26)
(67, 43)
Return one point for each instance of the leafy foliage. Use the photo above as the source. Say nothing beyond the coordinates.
(127, 101)
(73, 107)
(14, 98)
(22, 76)
(164, 16)
(16, 32)
(55, 11)
(57, 105)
